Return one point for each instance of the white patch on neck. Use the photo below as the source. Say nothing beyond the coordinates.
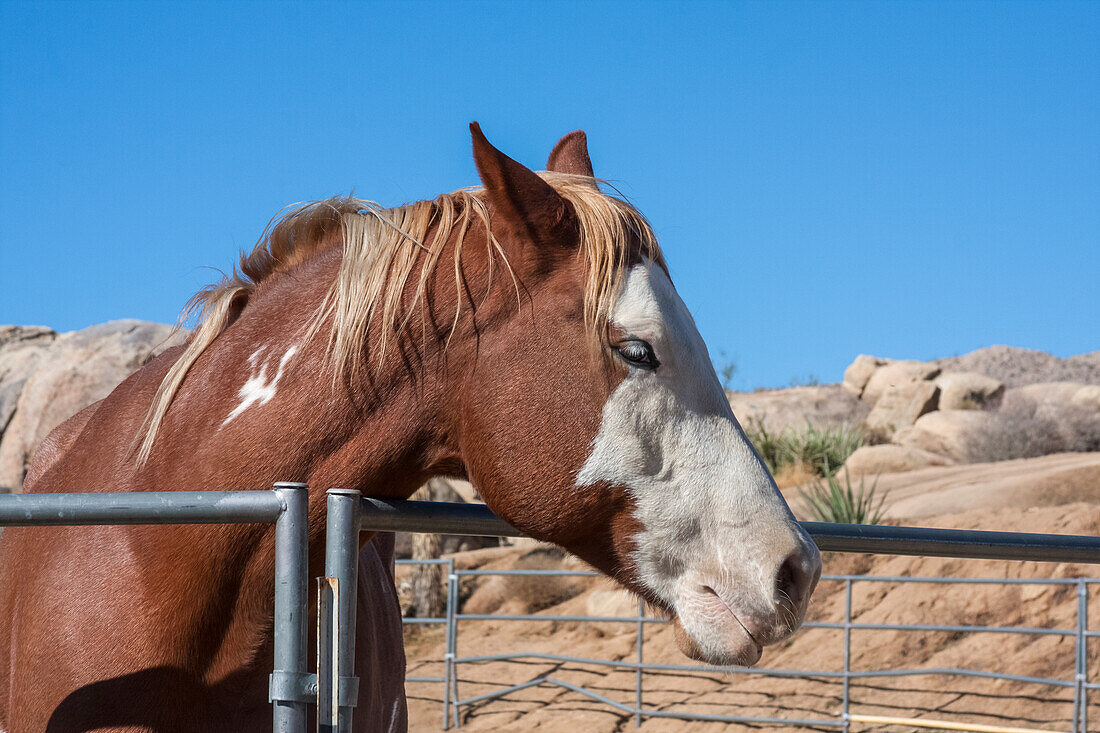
(705, 500)
(258, 390)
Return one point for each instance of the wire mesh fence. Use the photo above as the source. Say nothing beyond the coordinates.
(1076, 686)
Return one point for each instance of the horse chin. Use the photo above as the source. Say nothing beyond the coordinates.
(728, 647)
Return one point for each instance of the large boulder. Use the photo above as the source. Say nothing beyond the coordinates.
(73, 371)
(21, 349)
(1087, 397)
(826, 405)
(900, 405)
(1050, 395)
(859, 373)
(969, 391)
(944, 432)
(889, 458)
(896, 374)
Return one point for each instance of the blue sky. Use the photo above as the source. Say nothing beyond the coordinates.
(911, 180)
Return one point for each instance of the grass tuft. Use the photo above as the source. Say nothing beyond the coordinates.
(820, 448)
(829, 501)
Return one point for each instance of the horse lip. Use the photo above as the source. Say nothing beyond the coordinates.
(759, 646)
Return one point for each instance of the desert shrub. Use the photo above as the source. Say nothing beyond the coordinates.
(826, 448)
(769, 445)
(823, 449)
(1020, 428)
(827, 500)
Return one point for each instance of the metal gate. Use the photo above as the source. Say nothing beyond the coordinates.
(333, 686)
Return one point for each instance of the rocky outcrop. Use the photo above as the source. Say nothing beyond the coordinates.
(1087, 397)
(1015, 410)
(945, 432)
(859, 373)
(1019, 367)
(969, 391)
(21, 350)
(778, 409)
(895, 374)
(890, 458)
(45, 378)
(900, 406)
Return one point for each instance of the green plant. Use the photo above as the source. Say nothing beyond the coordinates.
(726, 370)
(819, 448)
(828, 501)
(770, 446)
(825, 447)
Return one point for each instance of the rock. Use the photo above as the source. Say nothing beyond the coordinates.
(21, 348)
(14, 336)
(1087, 396)
(900, 406)
(969, 391)
(889, 458)
(777, 409)
(74, 370)
(944, 432)
(1050, 393)
(616, 602)
(896, 374)
(859, 372)
(1019, 367)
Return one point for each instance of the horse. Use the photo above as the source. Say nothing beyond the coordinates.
(524, 335)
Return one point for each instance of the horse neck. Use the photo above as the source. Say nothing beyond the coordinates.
(383, 436)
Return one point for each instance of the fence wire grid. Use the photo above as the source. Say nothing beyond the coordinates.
(453, 702)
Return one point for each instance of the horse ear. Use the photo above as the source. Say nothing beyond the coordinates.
(524, 204)
(570, 155)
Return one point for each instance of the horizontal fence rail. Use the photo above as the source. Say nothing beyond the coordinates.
(385, 515)
(475, 519)
(153, 507)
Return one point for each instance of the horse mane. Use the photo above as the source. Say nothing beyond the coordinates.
(381, 249)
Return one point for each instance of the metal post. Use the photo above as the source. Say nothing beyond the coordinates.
(638, 674)
(449, 659)
(290, 678)
(1083, 595)
(447, 646)
(1080, 714)
(341, 568)
(847, 651)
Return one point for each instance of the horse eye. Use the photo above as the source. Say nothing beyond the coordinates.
(639, 353)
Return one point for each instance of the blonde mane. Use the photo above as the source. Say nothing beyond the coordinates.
(382, 249)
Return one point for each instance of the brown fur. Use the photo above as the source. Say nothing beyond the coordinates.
(169, 628)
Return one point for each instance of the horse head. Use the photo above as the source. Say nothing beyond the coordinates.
(592, 418)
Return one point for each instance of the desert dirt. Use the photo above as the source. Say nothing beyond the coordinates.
(1050, 494)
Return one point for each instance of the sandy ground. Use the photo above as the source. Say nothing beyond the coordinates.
(964, 495)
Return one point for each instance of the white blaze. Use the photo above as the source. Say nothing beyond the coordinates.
(710, 511)
(258, 389)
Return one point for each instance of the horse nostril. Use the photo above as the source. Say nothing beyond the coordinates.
(792, 581)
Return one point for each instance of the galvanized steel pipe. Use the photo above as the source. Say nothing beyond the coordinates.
(152, 507)
(388, 515)
(291, 611)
